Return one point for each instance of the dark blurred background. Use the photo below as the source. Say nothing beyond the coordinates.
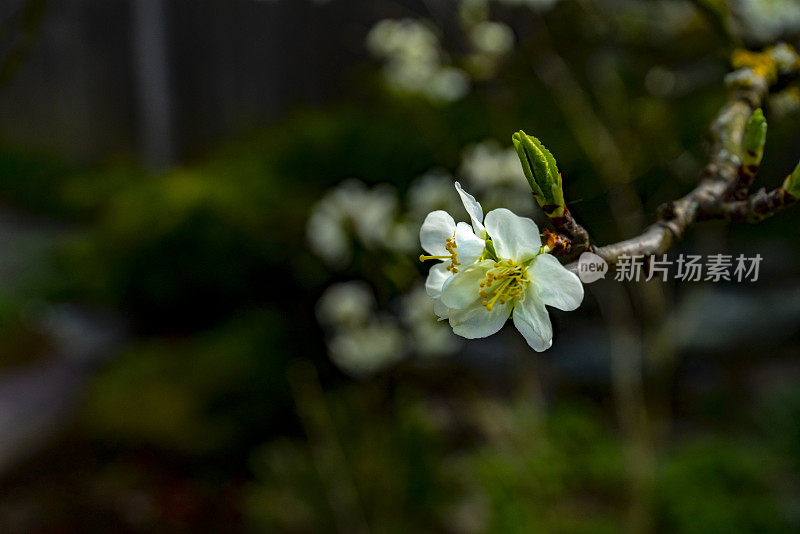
(212, 318)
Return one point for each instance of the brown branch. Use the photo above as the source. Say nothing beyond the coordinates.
(755, 208)
(572, 238)
(748, 87)
(747, 174)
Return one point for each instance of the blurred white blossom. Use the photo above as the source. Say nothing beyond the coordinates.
(491, 41)
(533, 4)
(403, 236)
(488, 165)
(351, 210)
(346, 304)
(432, 191)
(492, 37)
(414, 61)
(495, 173)
(768, 20)
(368, 349)
(786, 102)
(430, 337)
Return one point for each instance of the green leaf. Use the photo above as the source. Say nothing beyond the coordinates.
(792, 183)
(541, 170)
(755, 137)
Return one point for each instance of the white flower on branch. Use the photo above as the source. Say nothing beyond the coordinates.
(514, 277)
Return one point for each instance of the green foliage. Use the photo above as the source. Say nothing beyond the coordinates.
(523, 471)
(196, 396)
(392, 453)
(181, 242)
(718, 486)
(563, 474)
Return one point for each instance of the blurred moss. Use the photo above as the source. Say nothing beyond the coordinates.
(562, 474)
(715, 485)
(196, 396)
(393, 454)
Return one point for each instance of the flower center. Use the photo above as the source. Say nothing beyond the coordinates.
(505, 282)
(450, 246)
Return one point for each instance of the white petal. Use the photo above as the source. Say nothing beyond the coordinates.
(463, 289)
(437, 276)
(474, 209)
(476, 321)
(514, 237)
(441, 311)
(469, 247)
(533, 322)
(555, 285)
(438, 226)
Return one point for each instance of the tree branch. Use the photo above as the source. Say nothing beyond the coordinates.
(755, 208)
(720, 178)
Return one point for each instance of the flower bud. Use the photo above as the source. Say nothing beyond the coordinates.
(792, 183)
(540, 169)
(755, 136)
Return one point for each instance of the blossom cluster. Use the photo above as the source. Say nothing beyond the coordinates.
(354, 223)
(362, 339)
(414, 61)
(689, 268)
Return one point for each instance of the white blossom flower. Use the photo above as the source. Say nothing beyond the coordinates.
(431, 191)
(429, 337)
(488, 165)
(518, 280)
(346, 304)
(492, 37)
(414, 61)
(351, 210)
(455, 245)
(366, 350)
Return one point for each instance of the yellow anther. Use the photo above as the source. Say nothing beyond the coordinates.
(506, 283)
(450, 246)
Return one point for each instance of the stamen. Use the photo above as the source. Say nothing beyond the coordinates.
(510, 280)
(450, 246)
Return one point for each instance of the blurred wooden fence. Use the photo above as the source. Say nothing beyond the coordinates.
(166, 78)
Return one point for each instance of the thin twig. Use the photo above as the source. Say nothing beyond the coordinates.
(749, 86)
